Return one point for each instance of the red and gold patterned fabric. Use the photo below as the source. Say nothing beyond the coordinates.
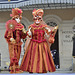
(38, 58)
(14, 31)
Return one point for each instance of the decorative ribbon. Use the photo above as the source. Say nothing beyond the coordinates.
(38, 40)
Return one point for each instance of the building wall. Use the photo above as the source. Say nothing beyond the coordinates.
(64, 14)
(65, 18)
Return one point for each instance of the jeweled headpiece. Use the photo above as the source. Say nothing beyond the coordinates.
(37, 13)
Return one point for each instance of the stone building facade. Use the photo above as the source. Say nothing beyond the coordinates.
(64, 18)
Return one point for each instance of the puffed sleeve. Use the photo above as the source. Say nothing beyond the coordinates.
(50, 33)
(47, 31)
(29, 33)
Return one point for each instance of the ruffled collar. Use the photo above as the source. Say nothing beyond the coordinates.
(19, 26)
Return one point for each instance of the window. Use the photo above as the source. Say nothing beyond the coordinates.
(51, 24)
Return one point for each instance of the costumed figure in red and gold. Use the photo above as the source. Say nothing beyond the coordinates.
(14, 33)
(37, 57)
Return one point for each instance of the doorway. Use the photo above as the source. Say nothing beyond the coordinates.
(55, 46)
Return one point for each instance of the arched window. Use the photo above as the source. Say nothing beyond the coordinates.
(51, 24)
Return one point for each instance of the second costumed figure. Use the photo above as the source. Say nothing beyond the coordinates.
(14, 33)
(38, 58)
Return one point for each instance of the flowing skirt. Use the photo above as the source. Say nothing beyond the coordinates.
(38, 58)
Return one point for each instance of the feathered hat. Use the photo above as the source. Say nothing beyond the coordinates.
(16, 13)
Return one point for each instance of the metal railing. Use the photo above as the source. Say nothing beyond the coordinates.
(31, 4)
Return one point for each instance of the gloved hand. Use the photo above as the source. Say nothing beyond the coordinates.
(24, 31)
(51, 39)
(12, 40)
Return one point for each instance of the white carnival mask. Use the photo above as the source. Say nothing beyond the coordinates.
(37, 22)
(17, 20)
